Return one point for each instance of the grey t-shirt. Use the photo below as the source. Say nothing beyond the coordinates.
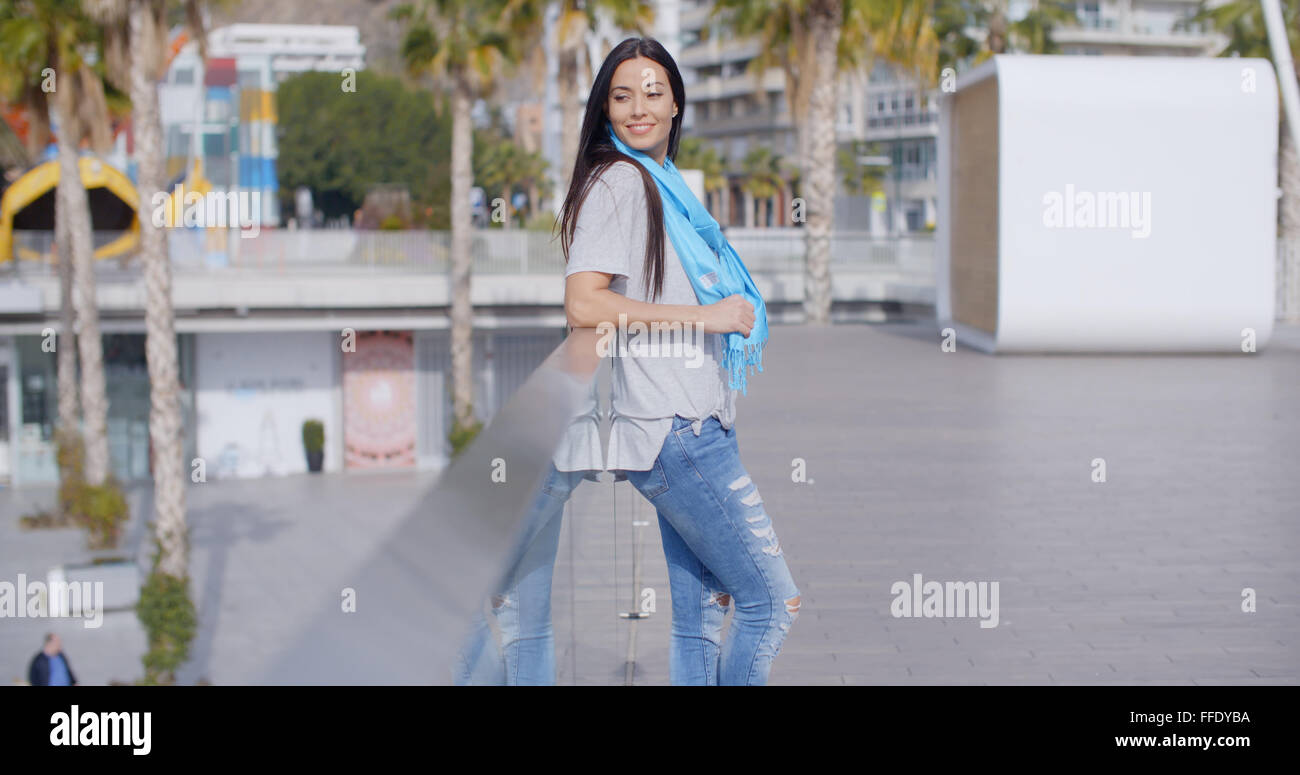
(648, 388)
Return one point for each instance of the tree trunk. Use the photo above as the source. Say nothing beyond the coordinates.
(570, 117)
(462, 310)
(824, 26)
(997, 32)
(165, 429)
(71, 194)
(66, 343)
(1289, 225)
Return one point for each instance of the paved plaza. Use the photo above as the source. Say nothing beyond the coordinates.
(956, 466)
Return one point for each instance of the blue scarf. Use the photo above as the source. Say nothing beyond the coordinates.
(715, 270)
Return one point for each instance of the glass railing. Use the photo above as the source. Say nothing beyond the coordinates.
(523, 564)
(493, 252)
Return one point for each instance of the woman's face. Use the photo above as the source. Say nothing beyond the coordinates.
(641, 106)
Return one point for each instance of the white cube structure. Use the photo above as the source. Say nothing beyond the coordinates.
(1108, 204)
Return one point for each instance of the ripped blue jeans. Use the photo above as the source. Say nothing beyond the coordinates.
(721, 547)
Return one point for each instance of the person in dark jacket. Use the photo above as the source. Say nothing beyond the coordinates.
(49, 667)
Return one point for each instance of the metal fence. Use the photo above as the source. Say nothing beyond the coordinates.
(765, 251)
(492, 251)
(1288, 280)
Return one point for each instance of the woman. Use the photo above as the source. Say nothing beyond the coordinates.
(673, 431)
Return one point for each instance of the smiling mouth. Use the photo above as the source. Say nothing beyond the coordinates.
(640, 126)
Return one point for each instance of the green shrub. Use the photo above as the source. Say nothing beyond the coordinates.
(542, 221)
(71, 457)
(462, 436)
(103, 512)
(170, 623)
(392, 223)
(313, 435)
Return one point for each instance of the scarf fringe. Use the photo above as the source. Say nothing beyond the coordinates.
(740, 358)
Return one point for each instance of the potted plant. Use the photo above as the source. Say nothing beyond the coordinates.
(313, 441)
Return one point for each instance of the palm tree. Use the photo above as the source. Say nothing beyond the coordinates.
(56, 34)
(764, 178)
(695, 154)
(136, 44)
(813, 41)
(576, 19)
(531, 175)
(995, 42)
(1032, 34)
(858, 178)
(954, 21)
(22, 62)
(502, 167)
(1242, 22)
(465, 46)
(137, 36)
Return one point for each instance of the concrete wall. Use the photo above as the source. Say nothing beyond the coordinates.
(253, 392)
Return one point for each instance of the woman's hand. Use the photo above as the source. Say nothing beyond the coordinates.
(733, 313)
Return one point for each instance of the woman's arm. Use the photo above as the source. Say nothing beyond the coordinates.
(588, 302)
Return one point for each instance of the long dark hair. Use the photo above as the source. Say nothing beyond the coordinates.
(596, 153)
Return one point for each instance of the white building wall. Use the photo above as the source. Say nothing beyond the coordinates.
(253, 392)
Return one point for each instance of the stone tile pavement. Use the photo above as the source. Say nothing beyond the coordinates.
(957, 466)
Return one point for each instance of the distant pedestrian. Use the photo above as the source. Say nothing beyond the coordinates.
(49, 667)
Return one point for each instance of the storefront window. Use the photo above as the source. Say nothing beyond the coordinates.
(38, 389)
(126, 379)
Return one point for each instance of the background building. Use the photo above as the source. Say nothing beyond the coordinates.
(224, 115)
(1135, 28)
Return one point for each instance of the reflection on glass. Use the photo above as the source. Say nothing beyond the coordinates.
(521, 605)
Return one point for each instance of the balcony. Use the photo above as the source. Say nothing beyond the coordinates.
(324, 275)
(1100, 31)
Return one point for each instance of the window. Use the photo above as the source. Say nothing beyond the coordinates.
(183, 76)
(216, 144)
(915, 210)
(218, 170)
(218, 111)
(1089, 14)
(37, 390)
